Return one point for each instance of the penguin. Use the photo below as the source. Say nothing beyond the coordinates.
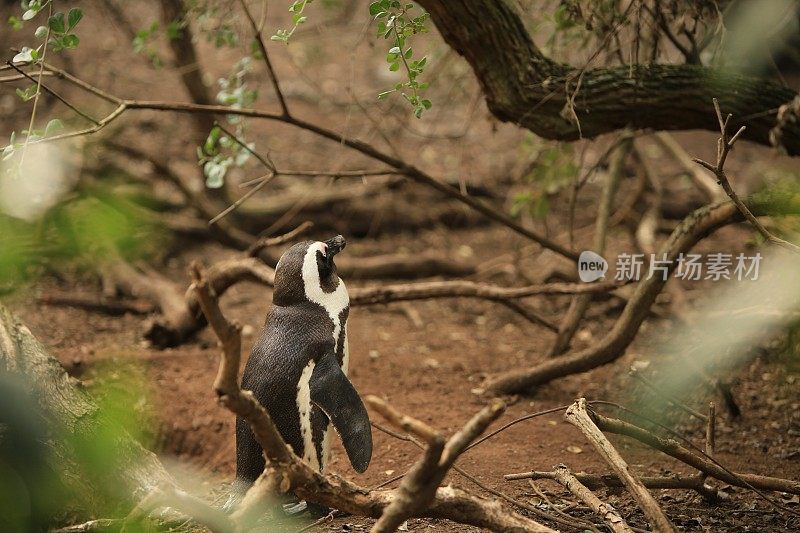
(298, 366)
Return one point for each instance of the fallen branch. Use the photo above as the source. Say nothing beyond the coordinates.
(580, 303)
(599, 481)
(578, 416)
(580, 491)
(176, 327)
(689, 232)
(709, 467)
(702, 182)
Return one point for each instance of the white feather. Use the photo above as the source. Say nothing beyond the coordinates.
(334, 303)
(304, 407)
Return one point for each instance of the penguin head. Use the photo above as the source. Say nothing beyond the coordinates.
(307, 270)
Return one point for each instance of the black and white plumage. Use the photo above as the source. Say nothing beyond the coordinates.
(298, 366)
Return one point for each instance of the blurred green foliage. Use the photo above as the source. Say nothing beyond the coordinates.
(549, 169)
(88, 228)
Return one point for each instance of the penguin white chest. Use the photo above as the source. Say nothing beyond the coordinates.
(334, 303)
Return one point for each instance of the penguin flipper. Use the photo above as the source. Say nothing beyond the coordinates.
(335, 395)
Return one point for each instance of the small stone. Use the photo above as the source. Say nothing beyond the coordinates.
(248, 330)
(389, 472)
(374, 354)
(574, 449)
(430, 362)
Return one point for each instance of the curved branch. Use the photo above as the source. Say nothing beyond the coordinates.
(688, 233)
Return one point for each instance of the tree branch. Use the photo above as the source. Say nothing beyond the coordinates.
(578, 416)
(523, 86)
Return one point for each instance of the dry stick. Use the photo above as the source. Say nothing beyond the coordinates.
(411, 172)
(242, 199)
(708, 466)
(579, 304)
(285, 471)
(646, 230)
(724, 146)
(580, 491)
(264, 54)
(578, 416)
(599, 481)
(53, 93)
(566, 521)
(704, 184)
(268, 242)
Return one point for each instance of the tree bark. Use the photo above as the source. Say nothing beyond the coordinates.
(523, 86)
(72, 417)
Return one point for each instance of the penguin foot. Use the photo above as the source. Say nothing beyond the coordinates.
(294, 508)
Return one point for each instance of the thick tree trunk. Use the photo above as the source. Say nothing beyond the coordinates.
(71, 420)
(523, 86)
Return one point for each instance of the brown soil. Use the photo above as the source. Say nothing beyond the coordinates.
(432, 371)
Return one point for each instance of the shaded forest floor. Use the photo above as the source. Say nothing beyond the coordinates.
(429, 362)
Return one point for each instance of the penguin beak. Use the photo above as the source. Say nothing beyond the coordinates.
(335, 245)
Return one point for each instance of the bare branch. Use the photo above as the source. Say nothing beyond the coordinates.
(724, 147)
(580, 491)
(578, 416)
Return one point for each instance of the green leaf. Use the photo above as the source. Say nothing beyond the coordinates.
(56, 23)
(394, 67)
(73, 17)
(211, 141)
(53, 126)
(15, 23)
(29, 14)
(426, 104)
(70, 41)
(27, 93)
(41, 32)
(375, 8)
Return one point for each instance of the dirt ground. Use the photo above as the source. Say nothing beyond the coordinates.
(433, 370)
(427, 358)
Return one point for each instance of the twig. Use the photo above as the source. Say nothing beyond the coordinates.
(702, 182)
(262, 47)
(401, 167)
(599, 481)
(708, 466)
(578, 416)
(724, 146)
(242, 199)
(268, 242)
(580, 491)
(52, 93)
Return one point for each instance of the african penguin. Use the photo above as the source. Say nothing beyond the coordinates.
(298, 366)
